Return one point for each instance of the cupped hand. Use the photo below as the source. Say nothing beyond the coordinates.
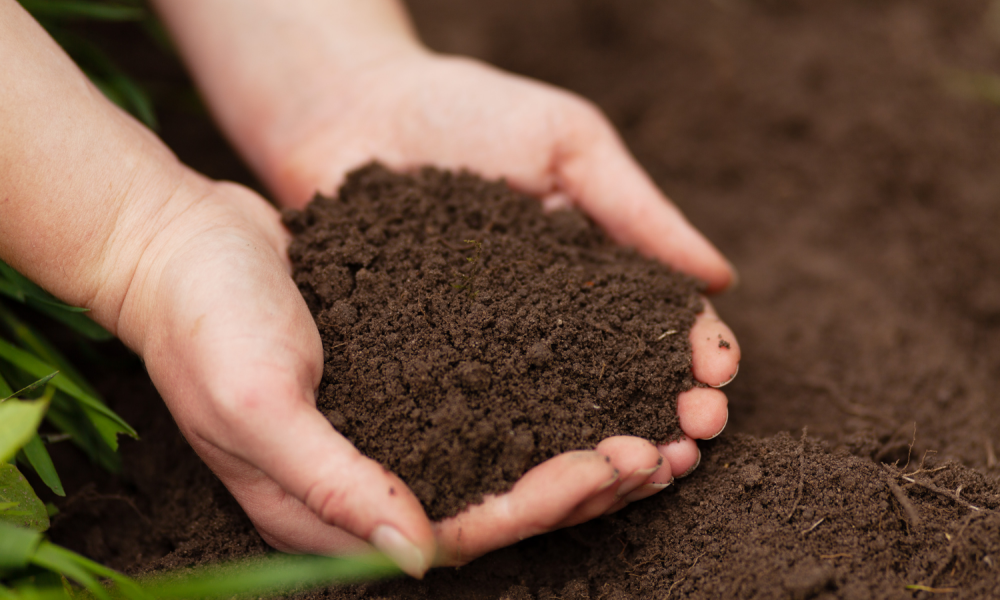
(416, 108)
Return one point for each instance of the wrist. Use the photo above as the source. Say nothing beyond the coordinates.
(264, 67)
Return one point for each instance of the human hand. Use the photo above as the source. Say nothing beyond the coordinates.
(230, 344)
(421, 109)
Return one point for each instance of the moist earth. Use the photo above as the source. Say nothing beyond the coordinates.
(837, 154)
(468, 336)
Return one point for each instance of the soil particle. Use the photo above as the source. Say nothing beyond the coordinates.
(481, 336)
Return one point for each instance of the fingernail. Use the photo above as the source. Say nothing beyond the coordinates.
(636, 479)
(646, 491)
(693, 467)
(609, 482)
(730, 380)
(389, 541)
(718, 433)
(735, 281)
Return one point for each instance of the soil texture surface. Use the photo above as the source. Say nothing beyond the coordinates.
(843, 154)
(468, 337)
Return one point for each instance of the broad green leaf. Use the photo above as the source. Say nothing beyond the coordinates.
(15, 488)
(69, 9)
(109, 426)
(39, 459)
(60, 560)
(17, 545)
(19, 421)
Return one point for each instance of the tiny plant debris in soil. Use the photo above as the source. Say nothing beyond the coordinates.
(469, 336)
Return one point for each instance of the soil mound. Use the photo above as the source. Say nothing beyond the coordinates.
(469, 337)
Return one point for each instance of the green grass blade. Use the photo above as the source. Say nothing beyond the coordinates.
(36, 342)
(39, 459)
(10, 290)
(24, 290)
(30, 289)
(54, 558)
(78, 9)
(79, 323)
(105, 74)
(271, 575)
(29, 511)
(17, 546)
(31, 387)
(105, 420)
(69, 417)
(19, 421)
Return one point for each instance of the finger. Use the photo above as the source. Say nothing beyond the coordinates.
(715, 353)
(596, 169)
(683, 455)
(636, 459)
(702, 412)
(538, 502)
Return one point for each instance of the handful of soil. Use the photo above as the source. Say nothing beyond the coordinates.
(468, 336)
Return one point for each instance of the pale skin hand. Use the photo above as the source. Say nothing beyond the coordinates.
(307, 91)
(193, 276)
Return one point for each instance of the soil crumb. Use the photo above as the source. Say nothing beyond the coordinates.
(469, 336)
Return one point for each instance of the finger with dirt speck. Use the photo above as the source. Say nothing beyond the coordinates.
(715, 353)
(636, 459)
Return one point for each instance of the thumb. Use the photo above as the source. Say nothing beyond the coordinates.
(304, 491)
(594, 168)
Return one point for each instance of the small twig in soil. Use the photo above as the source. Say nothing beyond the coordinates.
(924, 588)
(991, 455)
(954, 496)
(893, 443)
(802, 476)
(665, 334)
(832, 556)
(601, 376)
(911, 512)
(640, 348)
(670, 590)
(338, 345)
(909, 449)
(814, 526)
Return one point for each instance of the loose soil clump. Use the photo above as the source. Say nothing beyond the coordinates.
(468, 336)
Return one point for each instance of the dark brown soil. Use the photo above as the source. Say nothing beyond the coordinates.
(825, 148)
(469, 337)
